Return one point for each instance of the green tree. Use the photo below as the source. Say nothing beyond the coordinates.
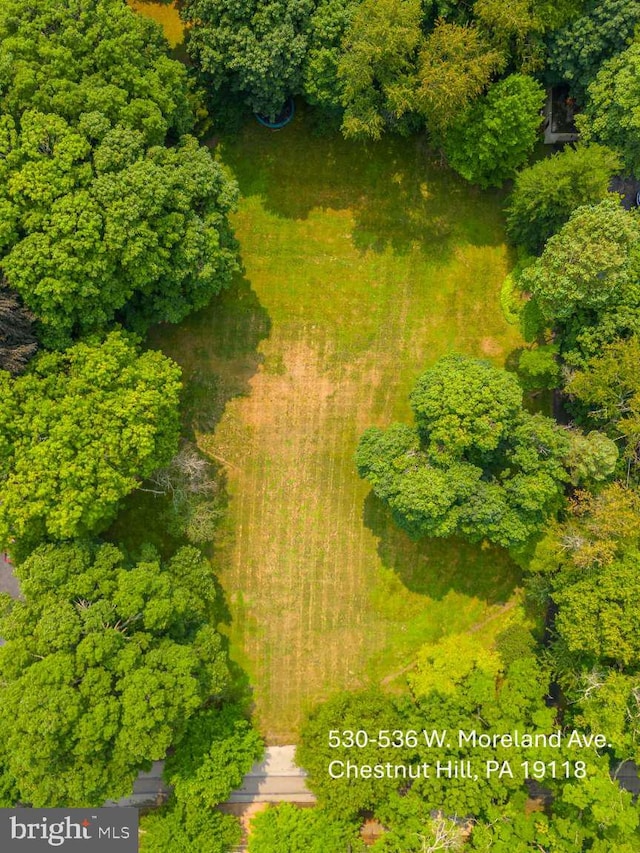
(608, 390)
(327, 27)
(103, 667)
(376, 67)
(495, 136)
(589, 265)
(612, 109)
(578, 50)
(546, 193)
(218, 748)
(78, 432)
(477, 465)
(289, 829)
(455, 66)
(176, 827)
(255, 48)
(99, 217)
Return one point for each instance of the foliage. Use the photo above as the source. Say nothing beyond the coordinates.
(588, 265)
(578, 50)
(18, 342)
(546, 193)
(218, 748)
(327, 27)
(454, 67)
(495, 136)
(592, 457)
(176, 827)
(538, 368)
(99, 217)
(609, 388)
(255, 48)
(375, 69)
(289, 829)
(612, 109)
(103, 667)
(79, 431)
(477, 465)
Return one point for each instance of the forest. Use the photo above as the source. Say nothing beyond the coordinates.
(320, 377)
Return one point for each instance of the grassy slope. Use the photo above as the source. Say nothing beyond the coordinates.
(363, 265)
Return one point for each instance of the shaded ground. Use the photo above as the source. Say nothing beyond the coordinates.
(362, 265)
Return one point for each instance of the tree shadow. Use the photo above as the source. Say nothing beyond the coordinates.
(434, 567)
(398, 196)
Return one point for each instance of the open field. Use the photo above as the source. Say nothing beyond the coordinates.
(363, 265)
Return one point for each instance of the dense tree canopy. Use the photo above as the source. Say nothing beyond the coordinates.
(289, 829)
(577, 50)
(256, 48)
(98, 216)
(589, 265)
(612, 111)
(546, 193)
(79, 431)
(477, 465)
(375, 70)
(496, 135)
(102, 668)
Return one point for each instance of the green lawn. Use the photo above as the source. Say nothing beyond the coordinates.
(363, 264)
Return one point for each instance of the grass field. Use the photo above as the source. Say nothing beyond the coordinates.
(363, 264)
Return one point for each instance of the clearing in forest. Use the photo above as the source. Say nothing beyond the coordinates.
(363, 264)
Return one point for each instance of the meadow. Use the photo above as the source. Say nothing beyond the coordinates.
(362, 265)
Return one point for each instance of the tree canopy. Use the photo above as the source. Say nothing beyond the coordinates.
(496, 135)
(79, 431)
(103, 666)
(99, 217)
(477, 465)
(612, 110)
(589, 265)
(546, 193)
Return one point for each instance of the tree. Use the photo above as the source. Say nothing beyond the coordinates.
(218, 748)
(289, 829)
(175, 827)
(538, 368)
(376, 67)
(546, 193)
(588, 265)
(488, 142)
(255, 48)
(578, 50)
(103, 666)
(79, 431)
(455, 66)
(100, 219)
(608, 388)
(18, 342)
(327, 27)
(612, 109)
(477, 465)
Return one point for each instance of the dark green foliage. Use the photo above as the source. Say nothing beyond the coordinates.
(217, 750)
(577, 51)
(85, 425)
(289, 829)
(255, 48)
(178, 828)
(98, 216)
(327, 26)
(495, 136)
(538, 368)
(589, 265)
(103, 667)
(546, 193)
(477, 465)
(612, 110)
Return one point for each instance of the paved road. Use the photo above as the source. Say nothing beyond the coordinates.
(276, 779)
